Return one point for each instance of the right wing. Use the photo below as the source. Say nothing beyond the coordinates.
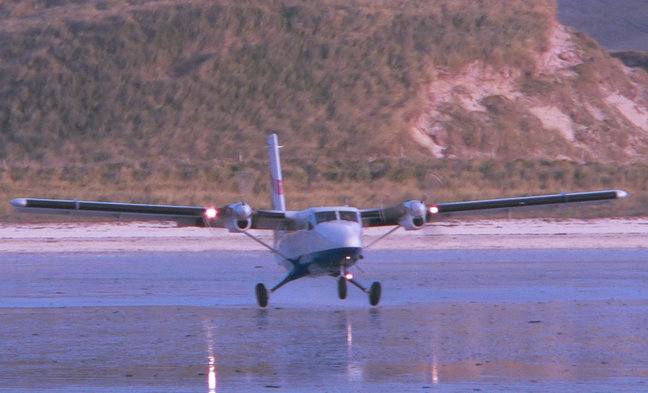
(414, 214)
(228, 216)
(495, 205)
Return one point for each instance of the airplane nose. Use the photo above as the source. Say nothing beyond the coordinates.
(341, 234)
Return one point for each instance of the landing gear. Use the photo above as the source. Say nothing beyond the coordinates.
(342, 287)
(374, 293)
(261, 295)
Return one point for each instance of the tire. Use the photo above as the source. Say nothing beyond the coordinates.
(261, 295)
(342, 287)
(374, 293)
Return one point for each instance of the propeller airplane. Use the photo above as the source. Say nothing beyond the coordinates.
(319, 241)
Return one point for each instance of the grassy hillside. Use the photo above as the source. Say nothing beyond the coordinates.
(200, 80)
(168, 101)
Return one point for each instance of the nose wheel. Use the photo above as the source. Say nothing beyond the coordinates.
(342, 287)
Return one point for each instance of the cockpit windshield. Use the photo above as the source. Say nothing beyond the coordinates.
(325, 216)
(348, 216)
(332, 215)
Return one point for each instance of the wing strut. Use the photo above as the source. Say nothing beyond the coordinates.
(269, 247)
(383, 236)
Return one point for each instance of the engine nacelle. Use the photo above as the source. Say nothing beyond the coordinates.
(238, 217)
(414, 218)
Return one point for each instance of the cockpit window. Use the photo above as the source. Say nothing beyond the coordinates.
(348, 216)
(325, 216)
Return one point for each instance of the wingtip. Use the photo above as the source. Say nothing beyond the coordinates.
(19, 202)
(620, 194)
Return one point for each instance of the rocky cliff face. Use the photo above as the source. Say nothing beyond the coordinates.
(575, 102)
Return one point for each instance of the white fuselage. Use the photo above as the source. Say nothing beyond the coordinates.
(329, 243)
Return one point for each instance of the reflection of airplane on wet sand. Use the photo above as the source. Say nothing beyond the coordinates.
(312, 242)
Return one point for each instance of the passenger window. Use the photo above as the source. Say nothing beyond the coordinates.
(348, 216)
(325, 216)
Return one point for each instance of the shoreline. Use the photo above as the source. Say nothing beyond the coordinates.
(442, 235)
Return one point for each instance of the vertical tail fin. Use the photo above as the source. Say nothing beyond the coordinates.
(278, 200)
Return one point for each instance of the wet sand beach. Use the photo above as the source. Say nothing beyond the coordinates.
(497, 318)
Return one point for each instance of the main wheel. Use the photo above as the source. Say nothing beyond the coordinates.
(261, 295)
(342, 287)
(374, 293)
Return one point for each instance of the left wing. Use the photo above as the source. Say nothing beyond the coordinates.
(236, 217)
(414, 214)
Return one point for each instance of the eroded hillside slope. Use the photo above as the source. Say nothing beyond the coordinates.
(573, 102)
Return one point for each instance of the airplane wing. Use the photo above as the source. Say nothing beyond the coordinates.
(406, 213)
(229, 216)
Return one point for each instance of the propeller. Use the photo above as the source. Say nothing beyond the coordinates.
(432, 183)
(245, 181)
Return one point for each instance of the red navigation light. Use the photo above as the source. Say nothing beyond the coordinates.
(211, 213)
(434, 209)
(348, 276)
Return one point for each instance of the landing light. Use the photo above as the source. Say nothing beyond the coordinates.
(211, 213)
(434, 210)
(348, 276)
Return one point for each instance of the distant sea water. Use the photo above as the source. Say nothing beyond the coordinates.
(617, 25)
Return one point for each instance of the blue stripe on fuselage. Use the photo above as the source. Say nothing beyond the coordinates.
(329, 261)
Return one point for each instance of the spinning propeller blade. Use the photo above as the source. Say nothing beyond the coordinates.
(245, 180)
